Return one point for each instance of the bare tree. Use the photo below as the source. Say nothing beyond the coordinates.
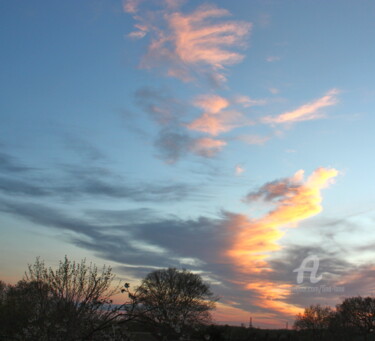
(72, 302)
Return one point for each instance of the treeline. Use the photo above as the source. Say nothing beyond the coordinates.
(75, 302)
(353, 319)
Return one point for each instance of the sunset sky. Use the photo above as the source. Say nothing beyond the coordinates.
(230, 138)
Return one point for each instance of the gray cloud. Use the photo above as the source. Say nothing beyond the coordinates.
(274, 190)
(160, 105)
(172, 144)
(77, 181)
(9, 164)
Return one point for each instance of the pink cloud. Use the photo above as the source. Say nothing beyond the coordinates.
(239, 169)
(211, 103)
(195, 42)
(219, 122)
(309, 111)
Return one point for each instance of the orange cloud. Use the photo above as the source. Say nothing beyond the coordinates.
(272, 296)
(309, 111)
(207, 147)
(254, 239)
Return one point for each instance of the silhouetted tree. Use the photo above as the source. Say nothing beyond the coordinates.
(174, 300)
(315, 320)
(356, 314)
(72, 302)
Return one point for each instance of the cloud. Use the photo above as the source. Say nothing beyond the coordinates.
(173, 145)
(253, 139)
(215, 120)
(274, 91)
(131, 6)
(239, 169)
(9, 164)
(215, 124)
(211, 103)
(272, 59)
(309, 111)
(207, 147)
(230, 249)
(254, 239)
(246, 101)
(195, 42)
(137, 34)
(76, 182)
(160, 105)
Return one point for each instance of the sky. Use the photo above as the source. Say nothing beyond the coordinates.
(233, 139)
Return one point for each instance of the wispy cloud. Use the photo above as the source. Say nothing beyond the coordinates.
(253, 139)
(246, 101)
(309, 111)
(192, 42)
(272, 59)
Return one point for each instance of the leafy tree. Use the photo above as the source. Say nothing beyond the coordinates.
(72, 302)
(173, 300)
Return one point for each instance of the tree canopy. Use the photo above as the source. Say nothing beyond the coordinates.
(174, 300)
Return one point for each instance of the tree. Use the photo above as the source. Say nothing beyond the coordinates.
(173, 300)
(72, 302)
(315, 320)
(357, 314)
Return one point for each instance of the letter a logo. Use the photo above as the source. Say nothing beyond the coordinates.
(304, 268)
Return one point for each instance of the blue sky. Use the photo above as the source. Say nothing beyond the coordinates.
(146, 134)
